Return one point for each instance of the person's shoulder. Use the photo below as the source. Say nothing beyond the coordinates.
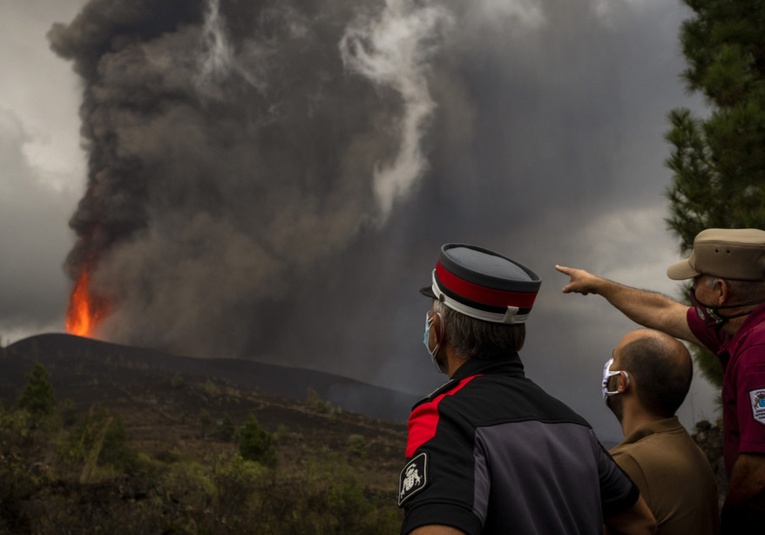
(556, 408)
(451, 389)
(755, 335)
(751, 345)
(623, 449)
(506, 397)
(624, 456)
(668, 449)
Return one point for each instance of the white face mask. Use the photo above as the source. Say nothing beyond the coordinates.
(607, 374)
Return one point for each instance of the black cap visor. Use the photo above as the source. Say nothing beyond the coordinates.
(427, 291)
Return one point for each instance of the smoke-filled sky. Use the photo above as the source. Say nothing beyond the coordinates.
(273, 179)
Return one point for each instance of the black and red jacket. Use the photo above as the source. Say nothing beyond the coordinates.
(491, 452)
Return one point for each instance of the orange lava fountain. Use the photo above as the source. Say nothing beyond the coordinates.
(84, 312)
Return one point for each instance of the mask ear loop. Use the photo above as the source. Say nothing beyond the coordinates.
(712, 311)
(438, 335)
(627, 383)
(615, 373)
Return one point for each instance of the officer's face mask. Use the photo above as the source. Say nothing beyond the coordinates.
(607, 374)
(426, 340)
(426, 336)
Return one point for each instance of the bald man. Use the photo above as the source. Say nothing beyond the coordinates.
(644, 384)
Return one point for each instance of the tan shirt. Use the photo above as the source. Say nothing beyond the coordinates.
(674, 477)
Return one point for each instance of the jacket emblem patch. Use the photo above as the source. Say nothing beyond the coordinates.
(757, 398)
(414, 477)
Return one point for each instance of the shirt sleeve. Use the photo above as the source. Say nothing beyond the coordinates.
(628, 463)
(712, 339)
(436, 486)
(618, 491)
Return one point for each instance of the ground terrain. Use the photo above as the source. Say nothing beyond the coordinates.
(175, 409)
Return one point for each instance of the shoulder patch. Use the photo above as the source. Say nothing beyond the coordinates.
(413, 478)
(757, 398)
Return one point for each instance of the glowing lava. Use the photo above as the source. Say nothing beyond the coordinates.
(84, 312)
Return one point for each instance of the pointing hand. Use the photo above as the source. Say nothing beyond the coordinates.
(581, 281)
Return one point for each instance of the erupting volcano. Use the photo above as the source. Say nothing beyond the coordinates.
(234, 149)
(84, 311)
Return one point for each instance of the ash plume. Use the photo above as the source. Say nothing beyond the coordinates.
(272, 179)
(233, 147)
(391, 51)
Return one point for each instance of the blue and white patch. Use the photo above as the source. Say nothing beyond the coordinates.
(757, 397)
(414, 477)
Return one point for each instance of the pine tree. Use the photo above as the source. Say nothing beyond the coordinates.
(719, 161)
(37, 397)
(256, 444)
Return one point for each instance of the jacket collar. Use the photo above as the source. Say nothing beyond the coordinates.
(510, 365)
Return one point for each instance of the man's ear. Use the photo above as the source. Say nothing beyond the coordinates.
(436, 325)
(623, 382)
(723, 295)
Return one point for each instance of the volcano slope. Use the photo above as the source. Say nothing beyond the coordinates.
(334, 466)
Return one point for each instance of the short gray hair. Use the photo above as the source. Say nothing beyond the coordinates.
(474, 338)
(748, 290)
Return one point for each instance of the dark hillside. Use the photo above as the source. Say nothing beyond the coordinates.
(337, 471)
(74, 360)
(169, 402)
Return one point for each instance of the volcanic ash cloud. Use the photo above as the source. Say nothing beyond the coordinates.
(232, 147)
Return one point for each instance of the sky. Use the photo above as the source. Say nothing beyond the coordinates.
(275, 181)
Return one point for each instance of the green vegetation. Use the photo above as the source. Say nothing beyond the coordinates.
(37, 397)
(719, 161)
(318, 404)
(79, 471)
(256, 444)
(357, 446)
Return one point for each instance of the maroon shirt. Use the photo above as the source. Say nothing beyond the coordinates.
(743, 392)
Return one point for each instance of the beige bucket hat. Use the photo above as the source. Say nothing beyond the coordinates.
(735, 254)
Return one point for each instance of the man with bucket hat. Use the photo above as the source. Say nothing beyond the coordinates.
(490, 452)
(727, 267)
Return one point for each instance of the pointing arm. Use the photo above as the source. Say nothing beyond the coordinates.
(649, 309)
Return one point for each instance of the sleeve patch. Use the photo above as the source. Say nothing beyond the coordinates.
(414, 477)
(757, 398)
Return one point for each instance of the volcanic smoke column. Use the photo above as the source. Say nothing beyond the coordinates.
(231, 147)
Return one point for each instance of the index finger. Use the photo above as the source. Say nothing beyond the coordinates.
(565, 270)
